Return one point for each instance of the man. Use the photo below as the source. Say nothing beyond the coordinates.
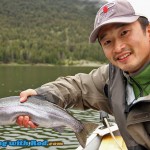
(121, 88)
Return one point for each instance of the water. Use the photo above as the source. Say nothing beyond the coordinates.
(14, 79)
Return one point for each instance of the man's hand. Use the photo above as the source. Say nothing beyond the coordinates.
(25, 94)
(25, 120)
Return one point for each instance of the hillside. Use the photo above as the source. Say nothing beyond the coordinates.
(47, 31)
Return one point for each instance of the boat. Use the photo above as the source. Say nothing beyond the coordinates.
(105, 137)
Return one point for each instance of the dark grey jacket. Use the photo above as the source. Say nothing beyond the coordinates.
(133, 121)
(101, 89)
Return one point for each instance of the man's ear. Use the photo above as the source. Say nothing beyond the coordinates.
(149, 31)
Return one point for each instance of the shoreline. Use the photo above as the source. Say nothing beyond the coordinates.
(82, 63)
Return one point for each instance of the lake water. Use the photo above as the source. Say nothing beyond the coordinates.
(14, 79)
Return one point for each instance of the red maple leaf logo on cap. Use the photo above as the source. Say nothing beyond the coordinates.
(105, 9)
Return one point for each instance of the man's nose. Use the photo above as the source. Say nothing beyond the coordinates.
(118, 46)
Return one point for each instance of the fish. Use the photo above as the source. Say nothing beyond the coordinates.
(44, 114)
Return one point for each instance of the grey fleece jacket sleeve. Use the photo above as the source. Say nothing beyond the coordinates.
(81, 91)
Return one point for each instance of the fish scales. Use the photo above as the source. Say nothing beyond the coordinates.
(35, 107)
(43, 113)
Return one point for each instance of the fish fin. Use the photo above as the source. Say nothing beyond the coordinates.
(82, 137)
(69, 112)
(83, 134)
(90, 126)
(59, 129)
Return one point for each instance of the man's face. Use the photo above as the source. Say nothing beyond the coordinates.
(126, 46)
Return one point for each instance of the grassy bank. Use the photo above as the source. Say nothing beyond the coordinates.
(84, 63)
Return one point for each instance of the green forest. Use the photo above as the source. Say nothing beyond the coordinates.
(47, 31)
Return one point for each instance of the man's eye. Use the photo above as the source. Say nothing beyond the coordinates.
(106, 42)
(124, 32)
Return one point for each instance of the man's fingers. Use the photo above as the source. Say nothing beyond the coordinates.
(25, 121)
(32, 125)
(23, 99)
(20, 120)
(25, 94)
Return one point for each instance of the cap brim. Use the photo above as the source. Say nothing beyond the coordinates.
(95, 32)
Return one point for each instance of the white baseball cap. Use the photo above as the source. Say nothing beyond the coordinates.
(119, 11)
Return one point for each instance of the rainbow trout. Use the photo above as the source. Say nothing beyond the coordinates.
(44, 114)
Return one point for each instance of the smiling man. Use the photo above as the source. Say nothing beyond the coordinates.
(125, 45)
(121, 88)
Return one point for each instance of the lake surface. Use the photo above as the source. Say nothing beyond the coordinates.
(14, 79)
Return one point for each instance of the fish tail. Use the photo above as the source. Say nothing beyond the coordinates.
(83, 134)
(82, 137)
